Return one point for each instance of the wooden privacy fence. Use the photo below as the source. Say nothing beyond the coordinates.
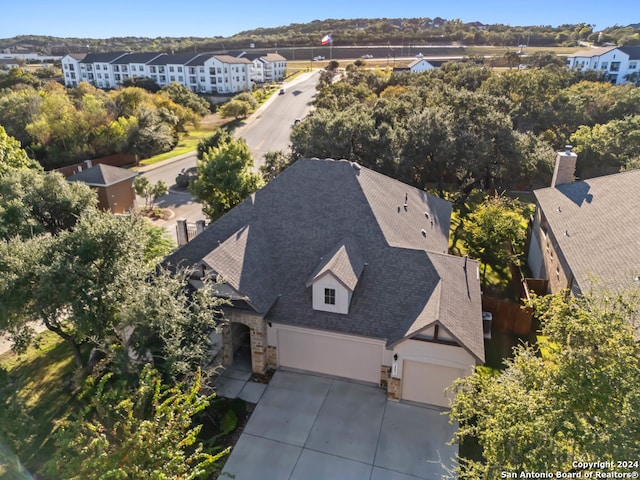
(508, 316)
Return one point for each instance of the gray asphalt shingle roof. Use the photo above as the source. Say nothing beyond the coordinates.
(102, 175)
(106, 57)
(596, 223)
(344, 262)
(142, 57)
(272, 243)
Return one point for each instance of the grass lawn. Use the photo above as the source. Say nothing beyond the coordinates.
(32, 397)
(189, 140)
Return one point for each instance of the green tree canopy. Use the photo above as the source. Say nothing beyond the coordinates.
(225, 178)
(34, 202)
(12, 156)
(185, 97)
(235, 108)
(574, 396)
(495, 232)
(143, 432)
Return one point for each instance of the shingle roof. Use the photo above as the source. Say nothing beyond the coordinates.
(142, 57)
(200, 59)
(106, 57)
(591, 52)
(283, 231)
(180, 59)
(230, 59)
(344, 262)
(102, 175)
(596, 223)
(274, 57)
(633, 52)
(77, 56)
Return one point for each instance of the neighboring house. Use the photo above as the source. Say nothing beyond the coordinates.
(202, 73)
(616, 63)
(586, 233)
(336, 269)
(419, 65)
(114, 186)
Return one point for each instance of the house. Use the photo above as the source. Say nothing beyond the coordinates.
(586, 233)
(336, 269)
(419, 65)
(202, 73)
(114, 186)
(618, 64)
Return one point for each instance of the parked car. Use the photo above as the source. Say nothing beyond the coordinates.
(367, 55)
(318, 58)
(282, 91)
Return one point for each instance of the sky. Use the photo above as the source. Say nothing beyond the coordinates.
(208, 18)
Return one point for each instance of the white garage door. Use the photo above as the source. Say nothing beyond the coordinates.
(426, 382)
(339, 356)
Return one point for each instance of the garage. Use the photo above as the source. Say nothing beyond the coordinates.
(426, 382)
(339, 355)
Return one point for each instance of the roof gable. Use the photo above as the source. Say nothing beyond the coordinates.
(344, 262)
(315, 205)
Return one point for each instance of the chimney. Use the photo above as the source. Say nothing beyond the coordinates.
(565, 167)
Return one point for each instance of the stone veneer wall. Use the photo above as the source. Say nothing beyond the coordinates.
(272, 356)
(258, 335)
(385, 374)
(394, 388)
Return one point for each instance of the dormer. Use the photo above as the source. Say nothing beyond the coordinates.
(336, 277)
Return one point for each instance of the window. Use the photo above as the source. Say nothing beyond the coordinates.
(192, 79)
(152, 69)
(192, 70)
(179, 69)
(633, 65)
(71, 67)
(173, 78)
(329, 296)
(163, 78)
(604, 65)
(116, 68)
(615, 66)
(220, 70)
(202, 79)
(171, 69)
(180, 78)
(201, 69)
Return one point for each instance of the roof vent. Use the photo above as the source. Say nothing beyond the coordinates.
(426, 214)
(356, 166)
(567, 149)
(406, 207)
(636, 278)
(424, 232)
(566, 233)
(559, 209)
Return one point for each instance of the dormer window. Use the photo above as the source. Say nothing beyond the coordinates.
(336, 277)
(330, 296)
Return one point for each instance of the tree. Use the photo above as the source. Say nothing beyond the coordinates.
(225, 178)
(185, 97)
(218, 136)
(34, 202)
(150, 192)
(235, 108)
(12, 155)
(574, 396)
(274, 164)
(249, 98)
(512, 59)
(495, 232)
(143, 432)
(77, 283)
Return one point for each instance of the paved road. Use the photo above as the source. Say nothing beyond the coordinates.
(266, 130)
(269, 128)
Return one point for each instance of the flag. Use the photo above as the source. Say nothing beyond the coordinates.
(326, 39)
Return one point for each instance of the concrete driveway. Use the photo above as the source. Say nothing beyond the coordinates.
(308, 427)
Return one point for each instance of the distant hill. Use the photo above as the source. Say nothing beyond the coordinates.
(359, 31)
